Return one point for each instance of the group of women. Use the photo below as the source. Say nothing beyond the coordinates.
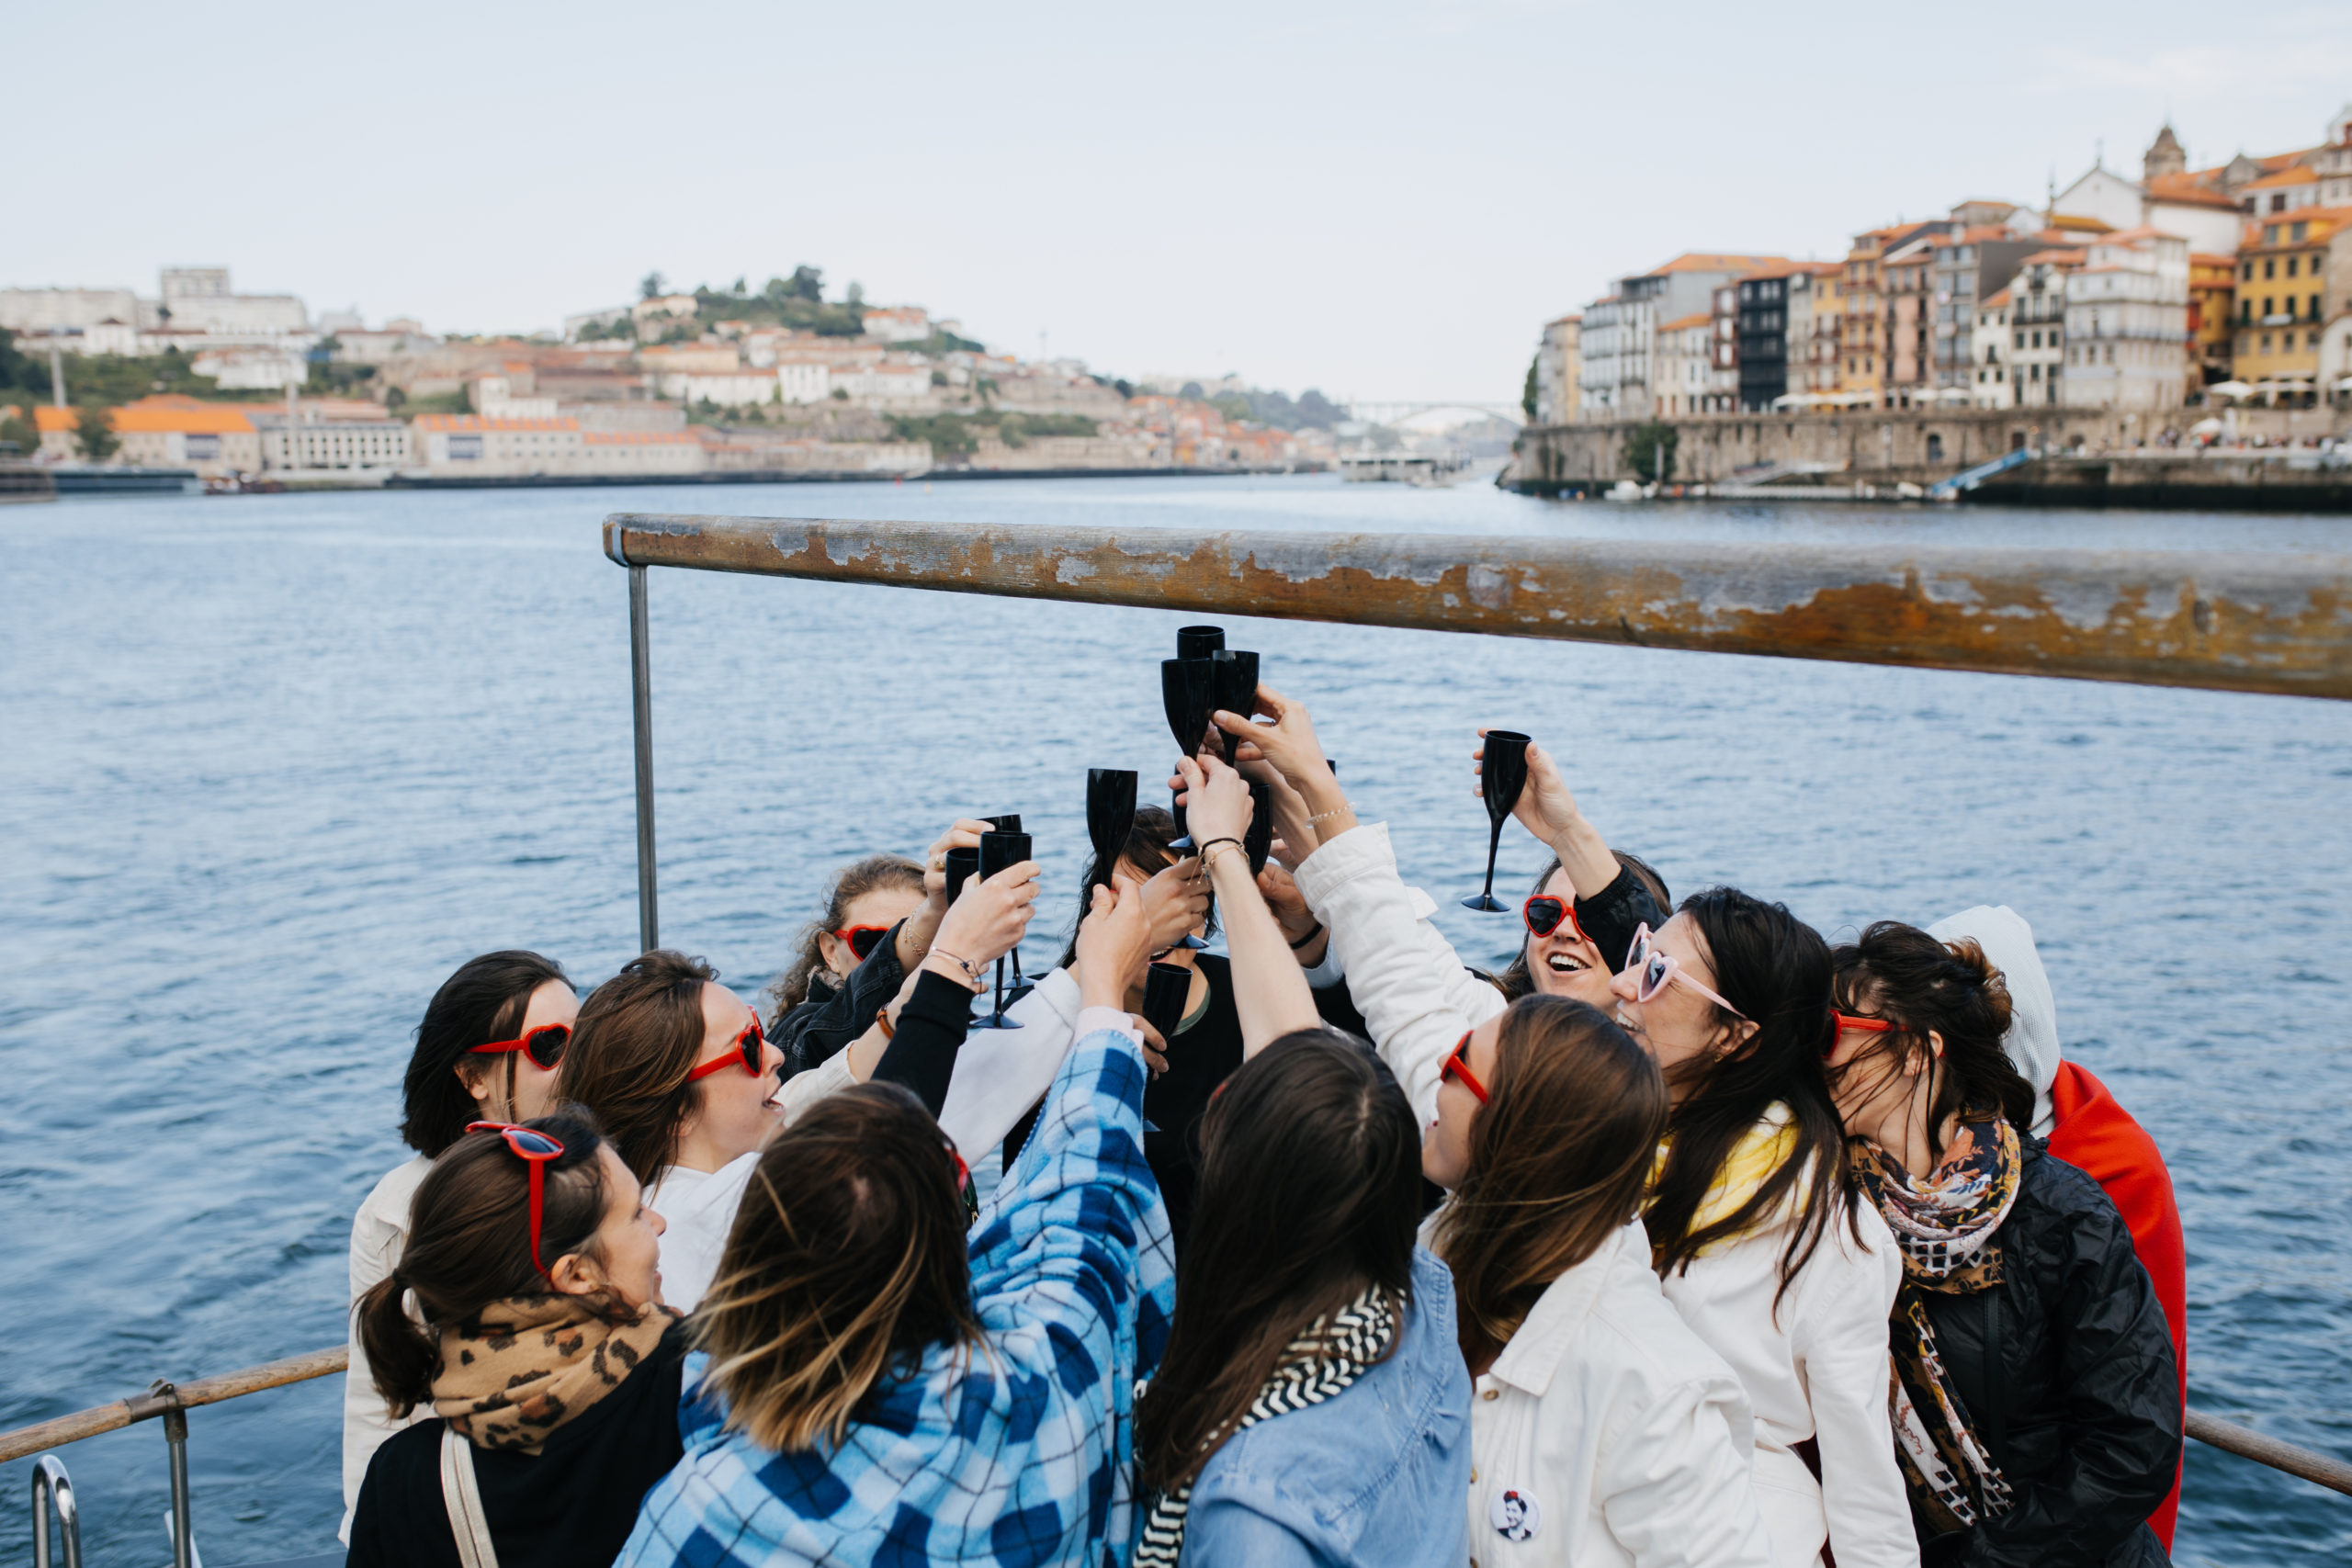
(1688, 1239)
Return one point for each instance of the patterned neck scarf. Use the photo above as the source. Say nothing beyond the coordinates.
(521, 1368)
(1330, 1355)
(1948, 1224)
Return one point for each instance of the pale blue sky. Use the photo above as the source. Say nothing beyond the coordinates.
(1378, 199)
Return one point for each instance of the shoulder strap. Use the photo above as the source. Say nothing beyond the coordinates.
(463, 1499)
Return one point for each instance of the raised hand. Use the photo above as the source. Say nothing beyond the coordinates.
(1114, 944)
(1545, 809)
(987, 919)
(1217, 800)
(1289, 743)
(1175, 902)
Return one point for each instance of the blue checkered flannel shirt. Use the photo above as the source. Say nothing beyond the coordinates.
(1016, 1452)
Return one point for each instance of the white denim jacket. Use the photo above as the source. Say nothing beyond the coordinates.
(1606, 1434)
(1816, 1368)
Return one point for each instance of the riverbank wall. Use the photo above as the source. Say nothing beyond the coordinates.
(1884, 448)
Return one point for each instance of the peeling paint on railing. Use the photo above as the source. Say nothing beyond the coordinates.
(2229, 621)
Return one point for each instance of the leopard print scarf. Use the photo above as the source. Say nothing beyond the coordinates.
(521, 1368)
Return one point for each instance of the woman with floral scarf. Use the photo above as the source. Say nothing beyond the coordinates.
(2033, 1399)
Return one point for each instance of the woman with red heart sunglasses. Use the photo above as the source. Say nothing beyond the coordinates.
(488, 1045)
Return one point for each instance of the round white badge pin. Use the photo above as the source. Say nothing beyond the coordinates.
(1515, 1515)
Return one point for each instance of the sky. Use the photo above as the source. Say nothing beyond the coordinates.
(1377, 200)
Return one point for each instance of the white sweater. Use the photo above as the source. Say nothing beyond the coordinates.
(378, 1231)
(1606, 1434)
(1816, 1369)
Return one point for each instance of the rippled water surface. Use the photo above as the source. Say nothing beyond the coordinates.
(270, 767)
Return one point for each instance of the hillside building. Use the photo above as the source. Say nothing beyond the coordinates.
(2127, 324)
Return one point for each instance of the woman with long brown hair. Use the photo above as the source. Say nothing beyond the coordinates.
(540, 1341)
(1605, 1432)
(882, 1384)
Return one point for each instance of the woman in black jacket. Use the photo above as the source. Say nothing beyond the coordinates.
(2037, 1418)
(544, 1349)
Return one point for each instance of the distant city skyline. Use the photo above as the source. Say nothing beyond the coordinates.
(1372, 200)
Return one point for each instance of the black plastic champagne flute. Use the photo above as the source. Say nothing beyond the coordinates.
(1110, 818)
(998, 852)
(1166, 988)
(1198, 642)
(1186, 695)
(1235, 690)
(1258, 838)
(963, 864)
(1010, 823)
(1501, 775)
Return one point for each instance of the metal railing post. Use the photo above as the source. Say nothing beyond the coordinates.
(52, 1486)
(640, 674)
(175, 1441)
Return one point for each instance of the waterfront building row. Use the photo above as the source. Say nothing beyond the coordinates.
(2117, 294)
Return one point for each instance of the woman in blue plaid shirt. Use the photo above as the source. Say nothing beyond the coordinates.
(876, 1385)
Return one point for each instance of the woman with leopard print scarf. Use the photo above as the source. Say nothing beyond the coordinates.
(545, 1353)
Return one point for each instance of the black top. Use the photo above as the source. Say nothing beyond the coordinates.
(2066, 1368)
(570, 1506)
(837, 1013)
(922, 1054)
(1198, 1059)
(1610, 916)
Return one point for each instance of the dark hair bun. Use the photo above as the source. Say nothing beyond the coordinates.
(1984, 977)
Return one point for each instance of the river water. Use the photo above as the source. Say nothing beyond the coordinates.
(274, 765)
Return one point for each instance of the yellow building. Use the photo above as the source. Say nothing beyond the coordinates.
(2282, 299)
(1861, 347)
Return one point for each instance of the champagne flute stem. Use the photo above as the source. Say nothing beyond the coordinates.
(1494, 842)
(1000, 990)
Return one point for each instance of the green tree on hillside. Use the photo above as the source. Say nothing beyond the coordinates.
(94, 433)
(650, 287)
(16, 371)
(1526, 392)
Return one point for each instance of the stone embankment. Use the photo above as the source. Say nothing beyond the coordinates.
(2091, 457)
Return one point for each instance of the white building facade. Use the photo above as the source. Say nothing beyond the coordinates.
(2127, 323)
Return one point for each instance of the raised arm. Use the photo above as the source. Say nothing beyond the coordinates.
(1270, 990)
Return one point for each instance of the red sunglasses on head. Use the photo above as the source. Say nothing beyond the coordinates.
(544, 1046)
(1543, 914)
(748, 1047)
(964, 1188)
(537, 1150)
(861, 939)
(1457, 1066)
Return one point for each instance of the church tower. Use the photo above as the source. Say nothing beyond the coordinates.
(2164, 157)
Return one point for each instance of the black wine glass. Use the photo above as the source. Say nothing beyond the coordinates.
(1258, 838)
(1110, 818)
(1501, 777)
(1166, 988)
(1010, 823)
(1198, 642)
(1186, 693)
(963, 864)
(1235, 683)
(1000, 851)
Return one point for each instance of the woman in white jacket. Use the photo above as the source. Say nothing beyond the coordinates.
(1603, 1430)
(1751, 1216)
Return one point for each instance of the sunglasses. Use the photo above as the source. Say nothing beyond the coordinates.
(748, 1048)
(1842, 1022)
(1457, 1066)
(1654, 971)
(861, 939)
(544, 1046)
(1543, 914)
(537, 1150)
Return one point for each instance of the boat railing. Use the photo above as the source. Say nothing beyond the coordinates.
(2219, 620)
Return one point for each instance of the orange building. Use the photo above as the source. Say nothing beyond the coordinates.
(217, 440)
(2213, 334)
